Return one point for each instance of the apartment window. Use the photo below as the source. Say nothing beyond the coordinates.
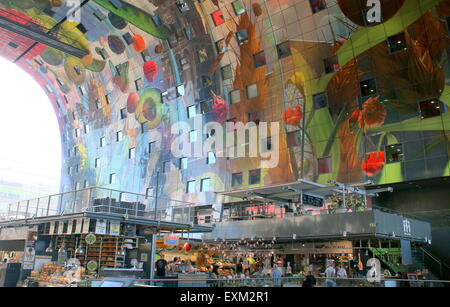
(205, 185)
(123, 113)
(397, 43)
(108, 98)
(324, 165)
(284, 50)
(394, 153)
(252, 91)
(294, 138)
(205, 106)
(331, 64)
(430, 108)
(206, 81)
(235, 96)
(242, 36)
(259, 59)
(75, 150)
(317, 5)
(190, 187)
(183, 163)
(138, 84)
(143, 126)
(180, 90)
(82, 28)
(74, 116)
(192, 136)
(102, 141)
(85, 184)
(97, 162)
(128, 38)
(254, 177)
(149, 192)
(182, 6)
(236, 180)
(14, 45)
(238, 7)
(166, 166)
(202, 55)
(119, 136)
(103, 53)
(221, 46)
(86, 128)
(320, 101)
(131, 153)
(112, 178)
(211, 158)
(77, 186)
(98, 104)
(77, 132)
(227, 72)
(368, 87)
(151, 147)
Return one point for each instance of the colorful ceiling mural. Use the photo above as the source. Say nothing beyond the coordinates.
(361, 90)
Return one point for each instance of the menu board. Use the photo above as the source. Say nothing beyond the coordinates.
(114, 228)
(100, 227)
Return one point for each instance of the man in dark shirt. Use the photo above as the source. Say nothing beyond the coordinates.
(161, 267)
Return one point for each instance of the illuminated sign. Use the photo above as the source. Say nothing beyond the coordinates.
(370, 12)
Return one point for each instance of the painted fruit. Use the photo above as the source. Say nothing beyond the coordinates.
(354, 9)
(117, 21)
(87, 59)
(150, 71)
(132, 102)
(52, 56)
(187, 247)
(116, 44)
(139, 43)
(75, 70)
(149, 107)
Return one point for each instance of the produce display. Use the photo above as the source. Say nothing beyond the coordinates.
(52, 274)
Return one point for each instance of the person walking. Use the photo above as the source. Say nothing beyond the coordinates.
(330, 274)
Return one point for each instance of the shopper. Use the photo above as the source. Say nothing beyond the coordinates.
(330, 274)
(288, 270)
(276, 275)
(341, 273)
(161, 267)
(310, 280)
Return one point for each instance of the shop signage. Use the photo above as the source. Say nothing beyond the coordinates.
(114, 228)
(92, 266)
(69, 227)
(86, 222)
(160, 243)
(407, 227)
(171, 240)
(78, 225)
(28, 258)
(52, 228)
(100, 227)
(90, 239)
(370, 12)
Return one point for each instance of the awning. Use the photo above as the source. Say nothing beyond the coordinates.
(285, 192)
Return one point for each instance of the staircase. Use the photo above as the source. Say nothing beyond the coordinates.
(423, 259)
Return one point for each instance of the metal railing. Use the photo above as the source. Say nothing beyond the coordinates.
(103, 200)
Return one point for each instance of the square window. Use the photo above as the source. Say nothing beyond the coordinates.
(252, 91)
(254, 177)
(97, 162)
(131, 153)
(259, 59)
(397, 43)
(284, 50)
(184, 63)
(394, 153)
(430, 108)
(331, 65)
(190, 187)
(236, 180)
(123, 113)
(119, 136)
(166, 166)
(191, 112)
(205, 185)
(149, 192)
(238, 7)
(324, 165)
(211, 159)
(294, 138)
(128, 38)
(320, 101)
(227, 72)
(102, 141)
(368, 87)
(138, 83)
(317, 5)
(221, 46)
(180, 90)
(151, 147)
(112, 178)
(192, 136)
(242, 36)
(218, 18)
(183, 163)
(235, 96)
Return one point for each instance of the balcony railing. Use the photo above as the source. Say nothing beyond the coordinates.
(103, 201)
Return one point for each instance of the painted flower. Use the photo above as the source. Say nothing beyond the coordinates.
(220, 108)
(150, 71)
(374, 163)
(373, 113)
(293, 116)
(257, 10)
(355, 116)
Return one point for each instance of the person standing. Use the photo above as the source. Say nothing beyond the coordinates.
(310, 280)
(160, 266)
(276, 275)
(330, 274)
(341, 273)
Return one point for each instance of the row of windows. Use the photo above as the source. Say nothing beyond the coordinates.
(254, 177)
(205, 186)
